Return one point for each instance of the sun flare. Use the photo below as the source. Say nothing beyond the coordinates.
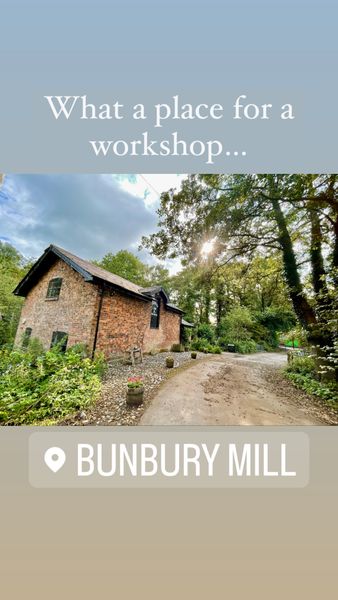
(207, 248)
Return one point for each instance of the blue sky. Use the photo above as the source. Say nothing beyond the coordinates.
(89, 215)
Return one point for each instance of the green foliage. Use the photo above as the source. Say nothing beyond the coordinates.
(245, 346)
(238, 324)
(265, 227)
(199, 344)
(204, 346)
(302, 372)
(206, 331)
(130, 267)
(215, 349)
(125, 264)
(35, 349)
(326, 391)
(239, 328)
(35, 387)
(274, 320)
(12, 269)
(135, 383)
(302, 364)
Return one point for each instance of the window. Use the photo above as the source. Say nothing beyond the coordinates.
(26, 337)
(60, 338)
(155, 314)
(54, 288)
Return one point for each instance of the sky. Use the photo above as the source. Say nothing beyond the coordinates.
(88, 215)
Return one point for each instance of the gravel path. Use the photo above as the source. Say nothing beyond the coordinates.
(111, 409)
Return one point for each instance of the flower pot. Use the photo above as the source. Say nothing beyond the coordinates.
(169, 362)
(194, 355)
(134, 396)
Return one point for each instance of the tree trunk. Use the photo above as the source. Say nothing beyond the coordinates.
(335, 251)
(316, 255)
(303, 309)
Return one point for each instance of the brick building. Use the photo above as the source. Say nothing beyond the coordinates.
(69, 300)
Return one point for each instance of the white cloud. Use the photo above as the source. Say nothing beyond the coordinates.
(149, 186)
(87, 214)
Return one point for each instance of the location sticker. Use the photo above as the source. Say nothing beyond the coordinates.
(55, 458)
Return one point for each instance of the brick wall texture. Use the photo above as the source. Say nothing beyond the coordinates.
(124, 321)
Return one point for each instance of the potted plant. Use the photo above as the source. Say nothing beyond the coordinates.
(135, 391)
(169, 361)
(194, 355)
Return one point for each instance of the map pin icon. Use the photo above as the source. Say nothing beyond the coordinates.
(55, 458)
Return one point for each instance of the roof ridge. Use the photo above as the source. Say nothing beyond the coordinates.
(93, 264)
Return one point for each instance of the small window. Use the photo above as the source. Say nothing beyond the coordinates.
(60, 338)
(155, 314)
(26, 337)
(54, 288)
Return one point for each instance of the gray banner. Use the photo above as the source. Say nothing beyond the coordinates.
(143, 458)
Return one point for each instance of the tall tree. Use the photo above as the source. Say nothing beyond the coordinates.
(253, 215)
(12, 269)
(127, 265)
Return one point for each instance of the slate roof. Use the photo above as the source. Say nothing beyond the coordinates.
(90, 272)
(186, 323)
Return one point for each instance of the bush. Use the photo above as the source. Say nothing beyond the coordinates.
(238, 324)
(241, 346)
(245, 346)
(205, 331)
(51, 385)
(216, 350)
(199, 344)
(210, 349)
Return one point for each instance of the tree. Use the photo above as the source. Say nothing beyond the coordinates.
(130, 267)
(295, 216)
(127, 265)
(12, 268)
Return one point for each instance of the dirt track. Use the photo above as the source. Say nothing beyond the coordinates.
(232, 389)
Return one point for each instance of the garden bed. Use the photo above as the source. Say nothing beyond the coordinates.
(111, 408)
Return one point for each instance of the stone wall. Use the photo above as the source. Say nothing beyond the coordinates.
(74, 312)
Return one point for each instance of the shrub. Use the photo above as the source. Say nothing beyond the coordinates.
(35, 348)
(217, 350)
(199, 344)
(210, 349)
(51, 385)
(206, 331)
(238, 324)
(245, 346)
